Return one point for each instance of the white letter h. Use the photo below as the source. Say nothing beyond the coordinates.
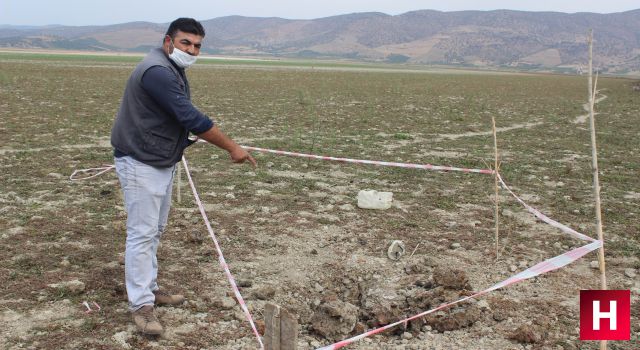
(611, 315)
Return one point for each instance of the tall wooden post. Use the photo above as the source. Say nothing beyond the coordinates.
(497, 197)
(596, 181)
(179, 184)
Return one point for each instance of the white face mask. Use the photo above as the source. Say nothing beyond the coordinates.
(181, 58)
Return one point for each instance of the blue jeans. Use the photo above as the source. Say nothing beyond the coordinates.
(147, 199)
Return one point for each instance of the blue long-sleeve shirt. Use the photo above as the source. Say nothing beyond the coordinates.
(163, 86)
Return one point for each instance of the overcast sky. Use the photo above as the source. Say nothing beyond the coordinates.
(100, 12)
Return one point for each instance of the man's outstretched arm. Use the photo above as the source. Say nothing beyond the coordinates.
(238, 154)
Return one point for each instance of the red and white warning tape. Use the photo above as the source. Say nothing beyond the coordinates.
(371, 162)
(221, 259)
(94, 172)
(89, 309)
(541, 268)
(536, 270)
(545, 218)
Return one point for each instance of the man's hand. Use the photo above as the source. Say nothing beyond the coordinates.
(218, 138)
(240, 155)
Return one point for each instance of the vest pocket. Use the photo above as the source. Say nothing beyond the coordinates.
(158, 144)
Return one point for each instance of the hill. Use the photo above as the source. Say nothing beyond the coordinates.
(500, 38)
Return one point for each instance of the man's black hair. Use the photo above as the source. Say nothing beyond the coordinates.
(187, 25)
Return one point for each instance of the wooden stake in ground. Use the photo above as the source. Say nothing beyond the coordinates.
(179, 174)
(281, 328)
(596, 181)
(495, 169)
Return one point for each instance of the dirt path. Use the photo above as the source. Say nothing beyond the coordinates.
(581, 119)
(488, 133)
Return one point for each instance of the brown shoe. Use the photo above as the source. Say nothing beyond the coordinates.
(164, 298)
(146, 321)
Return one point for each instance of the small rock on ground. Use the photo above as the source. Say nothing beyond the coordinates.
(631, 273)
(73, 287)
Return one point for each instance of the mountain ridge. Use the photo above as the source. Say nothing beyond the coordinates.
(499, 38)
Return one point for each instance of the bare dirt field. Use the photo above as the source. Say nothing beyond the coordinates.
(291, 230)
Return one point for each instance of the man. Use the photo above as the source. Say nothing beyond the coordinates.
(149, 136)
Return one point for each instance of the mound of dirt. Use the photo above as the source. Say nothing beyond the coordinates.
(451, 278)
(526, 334)
(335, 319)
(454, 319)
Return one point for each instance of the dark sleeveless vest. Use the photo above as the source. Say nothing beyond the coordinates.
(142, 129)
